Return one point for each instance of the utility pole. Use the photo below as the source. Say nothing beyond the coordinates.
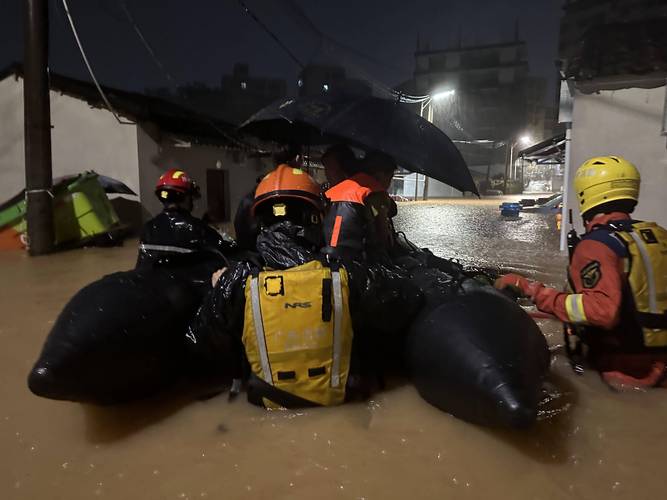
(37, 123)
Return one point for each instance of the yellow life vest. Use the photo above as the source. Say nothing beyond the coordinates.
(297, 331)
(647, 274)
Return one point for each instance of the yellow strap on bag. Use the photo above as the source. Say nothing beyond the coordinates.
(298, 331)
(647, 246)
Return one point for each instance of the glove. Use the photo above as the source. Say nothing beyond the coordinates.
(517, 284)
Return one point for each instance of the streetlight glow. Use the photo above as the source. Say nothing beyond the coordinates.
(525, 140)
(443, 95)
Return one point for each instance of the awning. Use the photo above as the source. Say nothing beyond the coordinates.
(548, 152)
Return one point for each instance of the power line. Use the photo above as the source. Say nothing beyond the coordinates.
(90, 69)
(335, 44)
(271, 34)
(147, 45)
(168, 75)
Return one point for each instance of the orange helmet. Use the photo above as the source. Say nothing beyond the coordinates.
(287, 182)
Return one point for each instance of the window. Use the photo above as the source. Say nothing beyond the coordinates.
(244, 85)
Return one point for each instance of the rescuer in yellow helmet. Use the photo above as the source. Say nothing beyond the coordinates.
(617, 305)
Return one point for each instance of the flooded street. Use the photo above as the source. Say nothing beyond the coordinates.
(590, 443)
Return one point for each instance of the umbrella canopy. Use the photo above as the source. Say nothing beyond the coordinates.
(367, 122)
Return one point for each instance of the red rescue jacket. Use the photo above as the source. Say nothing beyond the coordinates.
(602, 302)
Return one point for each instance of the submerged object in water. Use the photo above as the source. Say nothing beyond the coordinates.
(480, 357)
(509, 209)
(118, 339)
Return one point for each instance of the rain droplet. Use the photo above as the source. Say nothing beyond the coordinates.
(156, 472)
(64, 465)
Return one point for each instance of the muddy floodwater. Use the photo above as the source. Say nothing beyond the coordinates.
(590, 443)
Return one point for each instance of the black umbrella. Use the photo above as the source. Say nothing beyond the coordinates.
(370, 123)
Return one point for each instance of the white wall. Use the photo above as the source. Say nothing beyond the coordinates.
(158, 154)
(82, 138)
(437, 189)
(627, 123)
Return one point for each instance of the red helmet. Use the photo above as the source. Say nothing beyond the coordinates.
(175, 182)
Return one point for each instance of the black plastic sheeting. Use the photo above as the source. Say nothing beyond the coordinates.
(180, 229)
(383, 302)
(480, 357)
(118, 339)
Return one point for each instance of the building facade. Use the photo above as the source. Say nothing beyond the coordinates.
(614, 100)
(495, 100)
(86, 136)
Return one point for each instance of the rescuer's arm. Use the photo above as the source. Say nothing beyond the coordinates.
(213, 335)
(596, 273)
(597, 278)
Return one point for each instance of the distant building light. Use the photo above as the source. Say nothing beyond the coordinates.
(325, 87)
(300, 82)
(244, 85)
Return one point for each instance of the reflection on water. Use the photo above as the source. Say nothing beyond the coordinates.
(477, 234)
(590, 443)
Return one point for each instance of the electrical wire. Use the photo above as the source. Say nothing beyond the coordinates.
(271, 33)
(170, 79)
(147, 45)
(90, 69)
(337, 45)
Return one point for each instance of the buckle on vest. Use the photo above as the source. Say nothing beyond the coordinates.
(274, 285)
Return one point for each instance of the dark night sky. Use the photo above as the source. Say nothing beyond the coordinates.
(198, 40)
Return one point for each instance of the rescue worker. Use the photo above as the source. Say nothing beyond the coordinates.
(245, 226)
(339, 164)
(288, 319)
(358, 223)
(618, 279)
(175, 238)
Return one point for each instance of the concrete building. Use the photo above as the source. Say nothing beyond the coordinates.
(615, 102)
(496, 100)
(86, 136)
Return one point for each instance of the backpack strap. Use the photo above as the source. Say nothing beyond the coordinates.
(607, 236)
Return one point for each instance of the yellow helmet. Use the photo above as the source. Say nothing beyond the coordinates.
(604, 179)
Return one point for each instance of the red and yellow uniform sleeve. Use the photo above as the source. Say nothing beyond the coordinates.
(597, 275)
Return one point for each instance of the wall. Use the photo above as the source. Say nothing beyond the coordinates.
(82, 138)
(158, 153)
(12, 155)
(437, 189)
(627, 123)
